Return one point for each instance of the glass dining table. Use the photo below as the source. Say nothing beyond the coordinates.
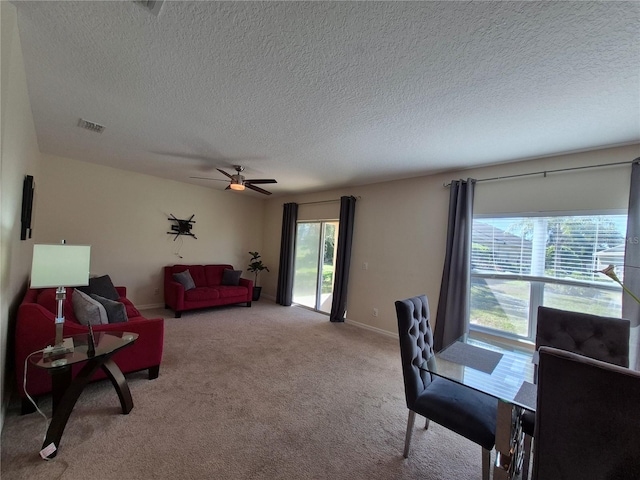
(503, 371)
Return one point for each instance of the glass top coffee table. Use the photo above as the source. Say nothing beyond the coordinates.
(66, 388)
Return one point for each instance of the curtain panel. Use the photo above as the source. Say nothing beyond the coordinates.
(453, 305)
(631, 308)
(343, 259)
(284, 293)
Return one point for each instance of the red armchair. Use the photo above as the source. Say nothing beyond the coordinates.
(35, 329)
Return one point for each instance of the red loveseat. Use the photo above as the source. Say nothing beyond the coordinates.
(35, 329)
(209, 290)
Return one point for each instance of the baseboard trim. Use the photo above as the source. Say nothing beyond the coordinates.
(150, 306)
(380, 331)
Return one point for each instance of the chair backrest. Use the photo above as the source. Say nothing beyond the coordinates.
(587, 420)
(416, 345)
(601, 338)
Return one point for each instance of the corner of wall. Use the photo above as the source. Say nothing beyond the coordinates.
(19, 155)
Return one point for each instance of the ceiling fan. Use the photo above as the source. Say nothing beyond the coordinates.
(238, 182)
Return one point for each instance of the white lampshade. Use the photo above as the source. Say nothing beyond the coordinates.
(236, 186)
(60, 265)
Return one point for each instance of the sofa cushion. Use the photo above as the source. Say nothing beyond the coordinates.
(185, 279)
(231, 277)
(101, 286)
(87, 310)
(116, 311)
(47, 298)
(231, 291)
(200, 294)
(196, 271)
(130, 309)
(214, 274)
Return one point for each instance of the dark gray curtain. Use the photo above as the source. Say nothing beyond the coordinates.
(453, 305)
(284, 293)
(343, 259)
(630, 308)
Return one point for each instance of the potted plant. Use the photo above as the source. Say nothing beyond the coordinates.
(255, 267)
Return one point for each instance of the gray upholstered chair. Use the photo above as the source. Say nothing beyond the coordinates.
(587, 420)
(465, 411)
(602, 338)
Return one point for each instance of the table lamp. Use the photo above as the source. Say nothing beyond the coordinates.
(60, 266)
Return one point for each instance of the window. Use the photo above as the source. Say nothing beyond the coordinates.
(520, 263)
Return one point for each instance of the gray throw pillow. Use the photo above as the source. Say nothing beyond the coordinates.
(87, 310)
(116, 311)
(231, 277)
(185, 279)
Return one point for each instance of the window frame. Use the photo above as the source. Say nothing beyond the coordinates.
(537, 283)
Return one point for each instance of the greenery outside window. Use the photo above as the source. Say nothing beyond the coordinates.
(315, 261)
(521, 262)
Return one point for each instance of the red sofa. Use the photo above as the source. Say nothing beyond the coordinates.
(209, 290)
(35, 329)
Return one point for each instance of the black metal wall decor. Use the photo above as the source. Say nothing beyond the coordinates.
(182, 227)
(28, 190)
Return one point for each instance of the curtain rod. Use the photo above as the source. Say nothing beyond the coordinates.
(544, 173)
(320, 201)
(326, 201)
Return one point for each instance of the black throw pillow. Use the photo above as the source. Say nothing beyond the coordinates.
(101, 286)
(231, 277)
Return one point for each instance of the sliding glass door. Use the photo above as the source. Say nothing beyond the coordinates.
(315, 259)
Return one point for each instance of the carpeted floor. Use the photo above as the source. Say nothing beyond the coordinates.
(267, 392)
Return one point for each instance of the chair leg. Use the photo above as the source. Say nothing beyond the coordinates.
(526, 459)
(426, 423)
(486, 464)
(407, 439)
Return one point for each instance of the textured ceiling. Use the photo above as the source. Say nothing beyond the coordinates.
(327, 94)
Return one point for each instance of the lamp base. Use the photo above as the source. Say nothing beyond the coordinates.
(59, 349)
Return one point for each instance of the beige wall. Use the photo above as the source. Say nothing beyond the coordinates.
(400, 227)
(124, 217)
(19, 157)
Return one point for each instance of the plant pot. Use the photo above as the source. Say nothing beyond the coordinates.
(256, 293)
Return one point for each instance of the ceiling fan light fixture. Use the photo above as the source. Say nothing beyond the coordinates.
(239, 183)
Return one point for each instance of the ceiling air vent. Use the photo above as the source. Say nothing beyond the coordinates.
(152, 5)
(94, 127)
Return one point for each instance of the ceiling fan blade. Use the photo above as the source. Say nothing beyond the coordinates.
(208, 178)
(260, 180)
(256, 189)
(224, 173)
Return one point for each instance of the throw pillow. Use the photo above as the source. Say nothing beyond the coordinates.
(87, 310)
(231, 277)
(116, 311)
(185, 279)
(102, 286)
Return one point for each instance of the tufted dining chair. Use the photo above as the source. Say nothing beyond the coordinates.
(601, 338)
(587, 420)
(461, 409)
